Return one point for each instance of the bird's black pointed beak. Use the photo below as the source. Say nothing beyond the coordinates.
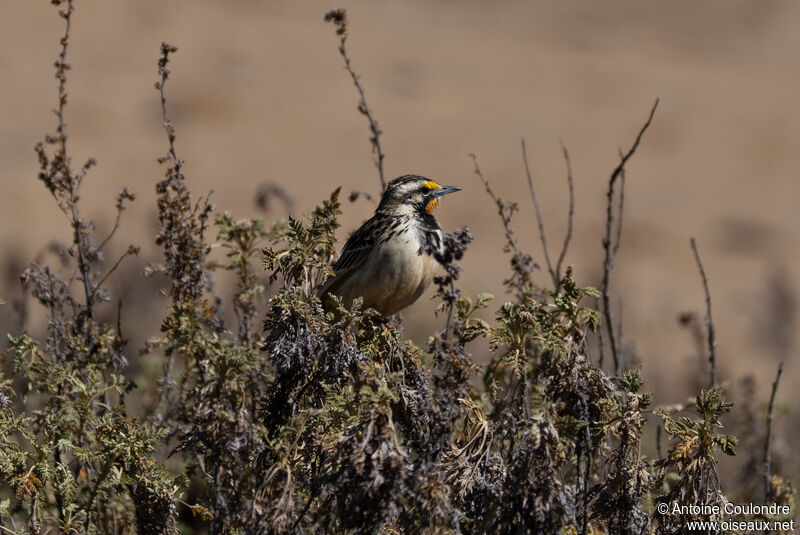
(444, 191)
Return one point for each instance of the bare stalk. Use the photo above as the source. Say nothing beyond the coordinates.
(571, 212)
(339, 18)
(502, 207)
(71, 182)
(768, 438)
(175, 175)
(555, 271)
(163, 71)
(539, 221)
(712, 340)
(125, 195)
(611, 245)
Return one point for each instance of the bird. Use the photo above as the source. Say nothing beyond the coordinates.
(391, 259)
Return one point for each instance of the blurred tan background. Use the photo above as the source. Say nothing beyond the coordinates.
(259, 95)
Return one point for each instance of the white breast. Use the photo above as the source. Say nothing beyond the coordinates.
(395, 274)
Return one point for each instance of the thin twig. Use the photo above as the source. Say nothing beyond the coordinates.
(122, 196)
(658, 441)
(521, 263)
(132, 251)
(609, 246)
(113, 231)
(163, 71)
(712, 340)
(620, 209)
(61, 74)
(555, 272)
(502, 207)
(619, 325)
(767, 440)
(571, 213)
(119, 322)
(539, 221)
(339, 18)
(449, 325)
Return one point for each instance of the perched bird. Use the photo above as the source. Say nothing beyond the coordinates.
(389, 260)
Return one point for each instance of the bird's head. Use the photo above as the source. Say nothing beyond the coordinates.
(413, 193)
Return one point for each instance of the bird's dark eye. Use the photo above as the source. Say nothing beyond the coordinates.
(424, 189)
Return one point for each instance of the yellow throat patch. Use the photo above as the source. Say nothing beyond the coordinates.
(435, 202)
(432, 205)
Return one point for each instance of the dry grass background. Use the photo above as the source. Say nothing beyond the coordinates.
(260, 95)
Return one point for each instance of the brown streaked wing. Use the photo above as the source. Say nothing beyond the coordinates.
(354, 254)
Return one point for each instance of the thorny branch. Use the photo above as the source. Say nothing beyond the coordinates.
(611, 247)
(339, 18)
(712, 340)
